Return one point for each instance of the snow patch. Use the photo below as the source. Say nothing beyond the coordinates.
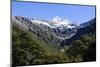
(40, 22)
(57, 21)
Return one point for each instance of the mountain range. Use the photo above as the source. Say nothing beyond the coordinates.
(57, 32)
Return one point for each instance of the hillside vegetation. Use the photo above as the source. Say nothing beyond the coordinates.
(30, 49)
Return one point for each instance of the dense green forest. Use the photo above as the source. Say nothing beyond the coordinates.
(27, 49)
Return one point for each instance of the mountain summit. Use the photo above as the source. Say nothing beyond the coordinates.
(57, 21)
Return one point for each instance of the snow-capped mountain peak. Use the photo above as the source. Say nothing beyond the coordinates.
(59, 22)
(55, 22)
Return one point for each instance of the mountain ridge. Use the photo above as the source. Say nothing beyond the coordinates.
(52, 32)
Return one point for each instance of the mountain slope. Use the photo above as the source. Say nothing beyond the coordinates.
(28, 49)
(90, 27)
(50, 32)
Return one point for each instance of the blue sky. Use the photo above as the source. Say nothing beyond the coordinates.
(75, 13)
